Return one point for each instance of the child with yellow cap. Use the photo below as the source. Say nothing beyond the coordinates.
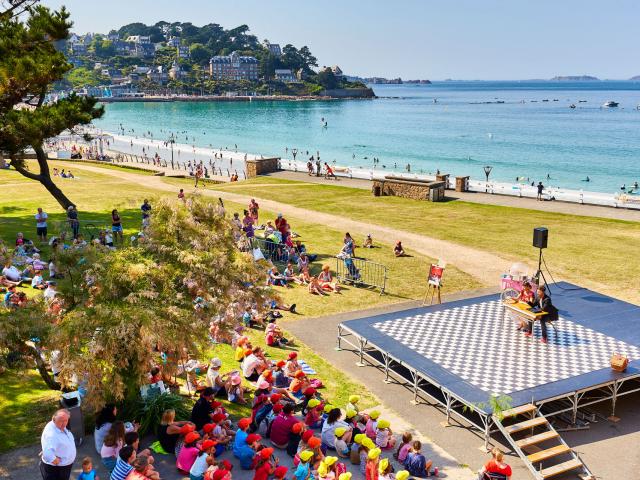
(354, 454)
(353, 403)
(366, 446)
(402, 475)
(326, 470)
(384, 436)
(372, 424)
(371, 469)
(385, 470)
(342, 449)
(303, 471)
(313, 419)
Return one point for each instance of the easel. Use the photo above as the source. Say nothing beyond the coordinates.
(434, 282)
(433, 290)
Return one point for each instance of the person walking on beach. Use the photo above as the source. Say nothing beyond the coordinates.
(310, 168)
(540, 190)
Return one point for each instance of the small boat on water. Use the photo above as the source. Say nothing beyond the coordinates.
(610, 104)
(573, 105)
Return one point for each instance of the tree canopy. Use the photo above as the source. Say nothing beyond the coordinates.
(29, 65)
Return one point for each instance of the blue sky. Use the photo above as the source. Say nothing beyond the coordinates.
(460, 39)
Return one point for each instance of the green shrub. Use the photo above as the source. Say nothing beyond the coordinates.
(148, 412)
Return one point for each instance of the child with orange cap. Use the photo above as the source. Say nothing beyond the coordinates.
(241, 434)
(299, 383)
(184, 431)
(280, 473)
(294, 438)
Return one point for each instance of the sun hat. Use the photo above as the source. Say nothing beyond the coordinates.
(187, 428)
(340, 431)
(277, 408)
(330, 460)
(275, 397)
(191, 437)
(307, 435)
(314, 442)
(263, 384)
(293, 355)
(280, 471)
(220, 474)
(227, 465)
(248, 352)
(215, 362)
(354, 398)
(306, 455)
(368, 443)
(328, 407)
(265, 453)
(236, 380)
(383, 423)
(219, 417)
(300, 374)
(351, 413)
(374, 453)
(313, 403)
(208, 444)
(244, 423)
(345, 476)
(374, 414)
(309, 392)
(358, 438)
(297, 427)
(402, 475)
(383, 465)
(280, 364)
(253, 438)
(209, 427)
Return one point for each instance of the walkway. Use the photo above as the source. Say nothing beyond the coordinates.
(483, 266)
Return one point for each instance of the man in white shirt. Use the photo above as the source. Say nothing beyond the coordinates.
(58, 448)
(50, 292)
(41, 225)
(252, 367)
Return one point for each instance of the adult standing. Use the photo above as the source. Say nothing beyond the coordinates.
(540, 190)
(41, 225)
(254, 208)
(72, 218)
(145, 208)
(58, 448)
(247, 224)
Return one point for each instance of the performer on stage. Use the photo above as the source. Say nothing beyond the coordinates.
(526, 296)
(543, 303)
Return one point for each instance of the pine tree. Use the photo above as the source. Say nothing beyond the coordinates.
(29, 65)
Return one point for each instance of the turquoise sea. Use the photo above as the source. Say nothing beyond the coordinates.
(445, 126)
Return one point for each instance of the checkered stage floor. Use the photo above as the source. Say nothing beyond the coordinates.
(475, 343)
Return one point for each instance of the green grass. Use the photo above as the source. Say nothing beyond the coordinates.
(605, 252)
(26, 405)
(110, 166)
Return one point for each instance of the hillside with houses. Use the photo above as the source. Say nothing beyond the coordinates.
(181, 58)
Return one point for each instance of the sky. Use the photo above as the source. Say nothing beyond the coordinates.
(458, 39)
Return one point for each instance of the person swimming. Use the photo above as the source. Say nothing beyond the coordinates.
(586, 179)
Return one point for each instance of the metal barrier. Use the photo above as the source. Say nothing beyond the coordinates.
(276, 252)
(361, 272)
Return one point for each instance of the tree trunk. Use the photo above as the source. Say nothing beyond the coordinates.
(42, 368)
(44, 177)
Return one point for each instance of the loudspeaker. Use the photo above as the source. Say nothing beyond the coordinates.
(540, 237)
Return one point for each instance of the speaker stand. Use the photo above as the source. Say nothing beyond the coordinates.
(539, 273)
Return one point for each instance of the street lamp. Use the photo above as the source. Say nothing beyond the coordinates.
(172, 140)
(487, 171)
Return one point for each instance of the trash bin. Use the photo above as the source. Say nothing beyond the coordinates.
(462, 184)
(72, 401)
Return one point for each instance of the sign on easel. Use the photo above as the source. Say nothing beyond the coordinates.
(434, 282)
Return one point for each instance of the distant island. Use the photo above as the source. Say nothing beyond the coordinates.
(575, 78)
(635, 79)
(387, 81)
(176, 59)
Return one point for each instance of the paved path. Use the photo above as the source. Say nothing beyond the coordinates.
(486, 199)
(483, 266)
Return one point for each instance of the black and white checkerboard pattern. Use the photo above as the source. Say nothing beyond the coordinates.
(478, 344)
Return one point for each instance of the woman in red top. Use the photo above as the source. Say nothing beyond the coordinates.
(496, 465)
(526, 296)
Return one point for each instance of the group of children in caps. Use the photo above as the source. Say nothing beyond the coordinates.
(317, 439)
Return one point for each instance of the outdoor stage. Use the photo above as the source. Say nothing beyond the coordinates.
(461, 352)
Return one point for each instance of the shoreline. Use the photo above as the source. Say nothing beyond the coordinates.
(233, 161)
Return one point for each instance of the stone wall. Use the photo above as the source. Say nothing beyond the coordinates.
(260, 166)
(430, 191)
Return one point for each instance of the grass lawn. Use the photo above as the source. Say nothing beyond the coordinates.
(603, 251)
(96, 194)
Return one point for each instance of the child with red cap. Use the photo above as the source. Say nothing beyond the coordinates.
(184, 431)
(201, 463)
(241, 434)
(280, 379)
(263, 464)
(294, 438)
(299, 384)
(280, 473)
(292, 365)
(247, 452)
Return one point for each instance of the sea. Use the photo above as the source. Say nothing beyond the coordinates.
(524, 130)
